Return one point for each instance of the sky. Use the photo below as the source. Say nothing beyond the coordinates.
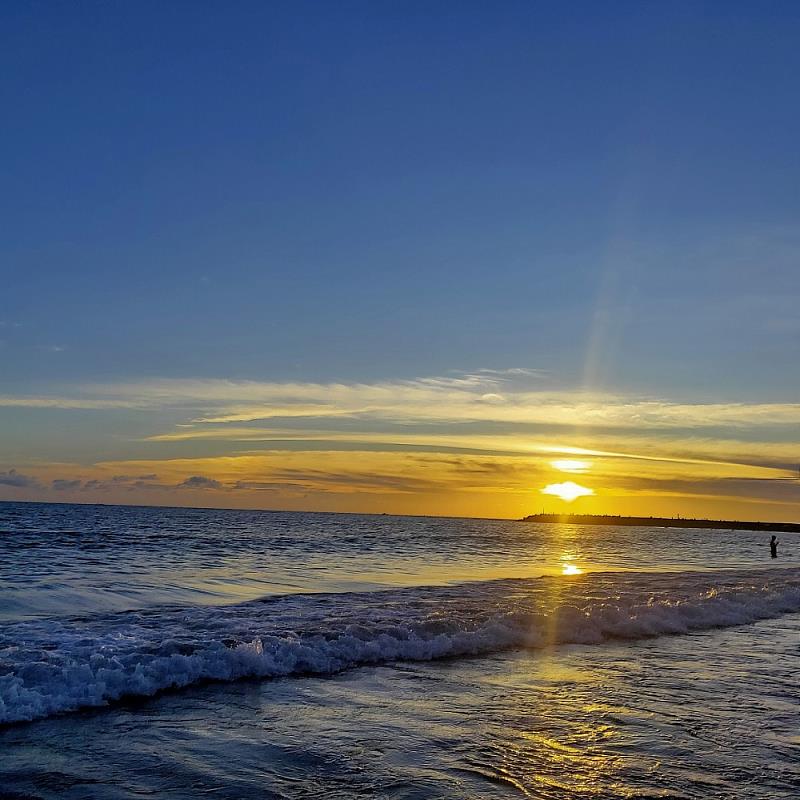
(404, 257)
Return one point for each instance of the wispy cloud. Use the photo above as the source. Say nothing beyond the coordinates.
(66, 485)
(78, 401)
(484, 396)
(17, 480)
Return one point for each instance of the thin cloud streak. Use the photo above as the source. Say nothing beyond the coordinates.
(478, 397)
(727, 453)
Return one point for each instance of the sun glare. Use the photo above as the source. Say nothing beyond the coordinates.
(571, 569)
(569, 490)
(570, 465)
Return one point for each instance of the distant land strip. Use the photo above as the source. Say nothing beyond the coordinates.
(664, 522)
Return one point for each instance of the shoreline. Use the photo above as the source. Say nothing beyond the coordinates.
(664, 522)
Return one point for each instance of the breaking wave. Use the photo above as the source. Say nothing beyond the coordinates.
(53, 666)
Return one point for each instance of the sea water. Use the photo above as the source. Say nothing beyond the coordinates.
(180, 653)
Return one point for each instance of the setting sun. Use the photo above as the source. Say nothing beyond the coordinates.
(569, 490)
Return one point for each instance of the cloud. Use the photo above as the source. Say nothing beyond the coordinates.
(742, 489)
(470, 398)
(18, 480)
(421, 482)
(465, 434)
(127, 482)
(513, 372)
(148, 481)
(338, 472)
(486, 397)
(352, 480)
(68, 403)
(199, 482)
(64, 485)
(530, 441)
(263, 486)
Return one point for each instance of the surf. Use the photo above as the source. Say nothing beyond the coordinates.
(54, 666)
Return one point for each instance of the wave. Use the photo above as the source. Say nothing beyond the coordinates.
(50, 667)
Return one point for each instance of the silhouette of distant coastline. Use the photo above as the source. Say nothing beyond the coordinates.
(664, 522)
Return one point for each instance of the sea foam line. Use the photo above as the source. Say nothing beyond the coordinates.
(52, 667)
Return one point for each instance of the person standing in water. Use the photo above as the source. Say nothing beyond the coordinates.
(773, 546)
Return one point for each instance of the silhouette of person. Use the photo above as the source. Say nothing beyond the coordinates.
(773, 547)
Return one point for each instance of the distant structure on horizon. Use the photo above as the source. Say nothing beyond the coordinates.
(663, 522)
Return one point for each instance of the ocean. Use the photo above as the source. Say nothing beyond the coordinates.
(185, 653)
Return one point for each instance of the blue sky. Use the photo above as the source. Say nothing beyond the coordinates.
(371, 193)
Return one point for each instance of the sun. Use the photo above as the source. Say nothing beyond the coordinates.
(569, 490)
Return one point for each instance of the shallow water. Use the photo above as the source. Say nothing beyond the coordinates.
(652, 676)
(710, 714)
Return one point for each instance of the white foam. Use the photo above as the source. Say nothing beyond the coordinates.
(54, 666)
